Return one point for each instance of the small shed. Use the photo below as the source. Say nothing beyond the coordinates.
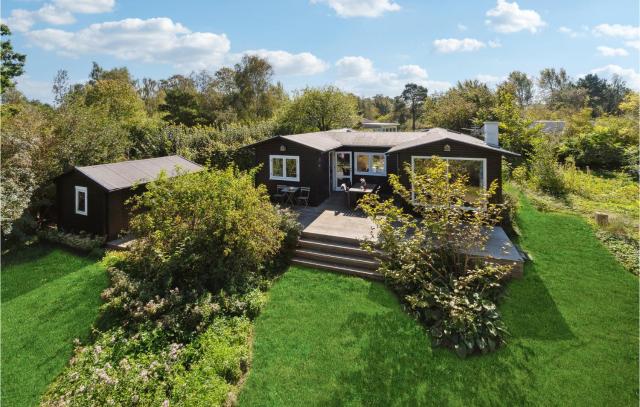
(92, 198)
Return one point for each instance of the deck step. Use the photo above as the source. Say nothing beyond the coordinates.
(333, 247)
(336, 258)
(330, 238)
(338, 268)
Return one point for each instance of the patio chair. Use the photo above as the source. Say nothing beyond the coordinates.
(303, 197)
(280, 194)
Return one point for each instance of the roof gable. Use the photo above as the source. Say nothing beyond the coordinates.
(125, 174)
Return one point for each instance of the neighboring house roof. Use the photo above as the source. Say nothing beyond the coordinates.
(550, 126)
(125, 174)
(395, 141)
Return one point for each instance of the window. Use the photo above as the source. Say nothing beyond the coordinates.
(81, 200)
(371, 164)
(474, 168)
(284, 167)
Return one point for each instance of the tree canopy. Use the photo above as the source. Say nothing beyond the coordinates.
(12, 62)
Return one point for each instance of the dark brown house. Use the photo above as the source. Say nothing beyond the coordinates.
(325, 160)
(92, 199)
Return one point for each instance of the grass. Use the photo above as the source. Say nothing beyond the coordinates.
(49, 297)
(326, 339)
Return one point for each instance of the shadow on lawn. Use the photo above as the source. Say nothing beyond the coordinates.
(44, 264)
(399, 367)
(532, 313)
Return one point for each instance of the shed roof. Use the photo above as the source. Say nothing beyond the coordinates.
(395, 141)
(125, 174)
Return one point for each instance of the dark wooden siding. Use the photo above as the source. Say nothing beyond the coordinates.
(118, 211)
(314, 168)
(494, 159)
(95, 220)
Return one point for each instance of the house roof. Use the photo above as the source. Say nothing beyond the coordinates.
(125, 174)
(396, 141)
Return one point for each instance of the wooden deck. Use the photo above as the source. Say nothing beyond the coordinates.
(332, 234)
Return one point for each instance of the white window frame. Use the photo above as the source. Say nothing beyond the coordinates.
(483, 160)
(370, 155)
(79, 189)
(284, 159)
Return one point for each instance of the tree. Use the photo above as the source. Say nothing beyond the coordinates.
(551, 81)
(461, 107)
(523, 87)
(516, 132)
(319, 109)
(181, 106)
(119, 98)
(255, 96)
(12, 62)
(414, 95)
(60, 86)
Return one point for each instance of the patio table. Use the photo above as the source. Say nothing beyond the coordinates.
(358, 189)
(290, 192)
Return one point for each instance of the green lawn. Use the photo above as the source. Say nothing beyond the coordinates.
(49, 297)
(326, 339)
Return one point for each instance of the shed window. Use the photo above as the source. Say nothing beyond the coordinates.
(284, 167)
(81, 200)
(371, 164)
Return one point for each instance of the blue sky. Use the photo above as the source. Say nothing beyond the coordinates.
(363, 46)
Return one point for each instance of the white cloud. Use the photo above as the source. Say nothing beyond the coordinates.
(285, 63)
(155, 40)
(617, 30)
(488, 79)
(360, 8)
(357, 74)
(462, 27)
(448, 45)
(570, 32)
(633, 44)
(628, 74)
(494, 44)
(612, 52)
(86, 6)
(509, 18)
(59, 12)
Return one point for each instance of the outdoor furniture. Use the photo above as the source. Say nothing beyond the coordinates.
(290, 193)
(303, 197)
(360, 191)
(279, 195)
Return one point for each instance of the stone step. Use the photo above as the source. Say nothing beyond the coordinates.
(333, 247)
(338, 268)
(347, 260)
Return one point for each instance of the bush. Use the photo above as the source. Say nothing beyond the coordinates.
(426, 258)
(209, 230)
(81, 241)
(546, 172)
(519, 175)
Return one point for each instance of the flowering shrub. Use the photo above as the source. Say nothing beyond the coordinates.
(148, 369)
(426, 256)
(80, 241)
